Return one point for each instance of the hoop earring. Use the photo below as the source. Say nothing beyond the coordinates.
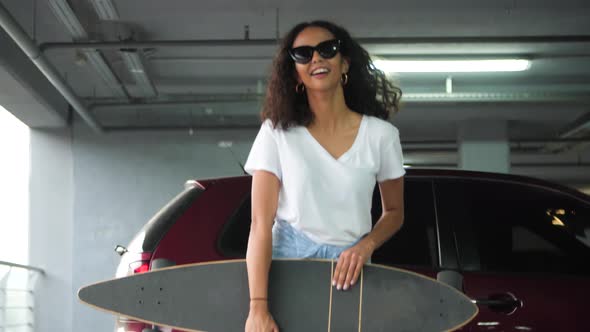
(344, 79)
(300, 88)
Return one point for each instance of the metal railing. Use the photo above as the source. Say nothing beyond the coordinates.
(17, 297)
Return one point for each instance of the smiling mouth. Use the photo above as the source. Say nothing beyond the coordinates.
(320, 71)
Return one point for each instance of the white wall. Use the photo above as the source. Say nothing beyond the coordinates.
(51, 227)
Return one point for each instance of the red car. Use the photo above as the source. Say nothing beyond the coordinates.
(519, 247)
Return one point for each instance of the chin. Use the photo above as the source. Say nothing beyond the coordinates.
(323, 86)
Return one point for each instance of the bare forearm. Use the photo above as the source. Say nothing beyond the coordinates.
(258, 259)
(389, 224)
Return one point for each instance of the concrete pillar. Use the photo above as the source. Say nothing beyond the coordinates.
(484, 146)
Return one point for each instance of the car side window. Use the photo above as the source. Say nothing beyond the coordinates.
(510, 227)
(413, 245)
(233, 239)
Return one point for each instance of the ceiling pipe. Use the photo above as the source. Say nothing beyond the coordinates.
(480, 97)
(157, 43)
(263, 59)
(196, 99)
(365, 41)
(579, 129)
(188, 129)
(16, 32)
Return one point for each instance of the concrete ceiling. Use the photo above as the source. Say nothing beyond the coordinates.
(220, 84)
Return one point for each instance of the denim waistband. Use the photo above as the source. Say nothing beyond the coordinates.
(288, 242)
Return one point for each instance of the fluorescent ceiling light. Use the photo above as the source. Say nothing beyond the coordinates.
(451, 66)
(66, 15)
(104, 71)
(133, 61)
(105, 9)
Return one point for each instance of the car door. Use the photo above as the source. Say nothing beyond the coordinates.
(524, 252)
(414, 246)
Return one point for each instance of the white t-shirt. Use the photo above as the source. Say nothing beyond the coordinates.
(328, 199)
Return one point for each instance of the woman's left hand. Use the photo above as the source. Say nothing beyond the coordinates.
(350, 263)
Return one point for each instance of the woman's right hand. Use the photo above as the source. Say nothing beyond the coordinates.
(260, 320)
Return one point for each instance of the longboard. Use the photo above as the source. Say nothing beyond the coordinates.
(215, 297)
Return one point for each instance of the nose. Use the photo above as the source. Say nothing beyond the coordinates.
(315, 57)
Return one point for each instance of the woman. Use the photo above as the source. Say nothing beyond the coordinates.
(323, 145)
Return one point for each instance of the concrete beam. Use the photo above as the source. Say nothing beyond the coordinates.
(24, 90)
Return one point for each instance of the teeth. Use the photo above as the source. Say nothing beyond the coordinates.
(320, 71)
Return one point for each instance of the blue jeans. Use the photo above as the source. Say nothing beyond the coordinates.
(288, 242)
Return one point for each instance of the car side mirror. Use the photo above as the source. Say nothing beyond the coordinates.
(119, 249)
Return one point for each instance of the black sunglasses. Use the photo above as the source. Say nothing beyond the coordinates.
(327, 49)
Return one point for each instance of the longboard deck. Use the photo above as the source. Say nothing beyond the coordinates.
(214, 297)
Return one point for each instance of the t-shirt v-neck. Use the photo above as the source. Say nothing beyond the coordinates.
(350, 150)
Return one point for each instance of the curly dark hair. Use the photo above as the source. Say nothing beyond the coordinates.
(367, 92)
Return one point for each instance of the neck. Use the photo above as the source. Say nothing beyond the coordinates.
(329, 109)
